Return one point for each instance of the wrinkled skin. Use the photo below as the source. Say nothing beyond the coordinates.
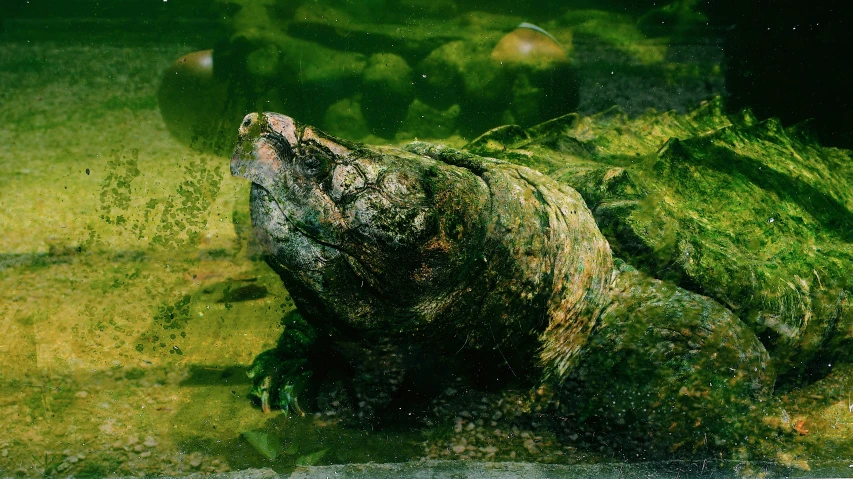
(401, 260)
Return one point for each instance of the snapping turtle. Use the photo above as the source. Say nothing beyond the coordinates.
(660, 274)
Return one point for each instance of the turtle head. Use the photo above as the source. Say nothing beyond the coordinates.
(297, 167)
(377, 229)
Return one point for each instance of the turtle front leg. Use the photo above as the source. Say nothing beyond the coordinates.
(374, 369)
(279, 375)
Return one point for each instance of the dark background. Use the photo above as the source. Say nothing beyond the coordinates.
(788, 59)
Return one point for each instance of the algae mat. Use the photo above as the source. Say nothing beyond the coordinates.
(129, 308)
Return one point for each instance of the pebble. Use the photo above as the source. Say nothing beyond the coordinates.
(530, 445)
(493, 431)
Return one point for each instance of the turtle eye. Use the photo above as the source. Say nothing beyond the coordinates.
(316, 161)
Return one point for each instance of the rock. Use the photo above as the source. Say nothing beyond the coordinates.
(424, 121)
(264, 62)
(529, 45)
(312, 77)
(273, 70)
(545, 84)
(193, 103)
(344, 32)
(461, 72)
(439, 75)
(387, 90)
(679, 17)
(344, 118)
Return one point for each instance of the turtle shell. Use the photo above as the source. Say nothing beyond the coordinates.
(752, 214)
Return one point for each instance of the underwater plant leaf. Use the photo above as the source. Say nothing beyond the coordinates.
(265, 443)
(311, 459)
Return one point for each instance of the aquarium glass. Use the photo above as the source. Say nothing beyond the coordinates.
(504, 238)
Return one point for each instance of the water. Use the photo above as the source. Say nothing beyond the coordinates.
(135, 295)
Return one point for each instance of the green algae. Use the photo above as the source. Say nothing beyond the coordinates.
(752, 214)
(618, 31)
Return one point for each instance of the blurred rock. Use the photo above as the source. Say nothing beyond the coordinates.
(387, 90)
(426, 122)
(439, 75)
(545, 84)
(264, 62)
(296, 76)
(542, 93)
(193, 103)
(529, 45)
(407, 35)
(319, 74)
(315, 62)
(461, 72)
(344, 118)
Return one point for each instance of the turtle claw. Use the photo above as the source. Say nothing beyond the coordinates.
(288, 393)
(265, 394)
(280, 375)
(278, 382)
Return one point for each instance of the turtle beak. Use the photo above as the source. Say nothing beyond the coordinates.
(263, 138)
(245, 162)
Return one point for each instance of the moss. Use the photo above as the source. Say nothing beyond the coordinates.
(618, 31)
(746, 212)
